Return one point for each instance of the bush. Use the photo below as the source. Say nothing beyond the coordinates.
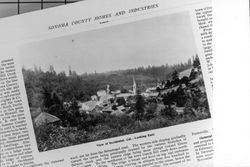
(150, 111)
(169, 112)
(118, 122)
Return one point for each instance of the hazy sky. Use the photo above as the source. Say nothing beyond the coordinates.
(156, 41)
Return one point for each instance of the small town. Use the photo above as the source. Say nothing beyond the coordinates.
(111, 112)
(118, 103)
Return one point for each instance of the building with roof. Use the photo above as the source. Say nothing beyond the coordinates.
(150, 94)
(104, 95)
(45, 118)
(88, 106)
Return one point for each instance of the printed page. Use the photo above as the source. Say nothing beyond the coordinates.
(108, 83)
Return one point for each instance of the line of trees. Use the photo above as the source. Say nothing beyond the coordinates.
(41, 85)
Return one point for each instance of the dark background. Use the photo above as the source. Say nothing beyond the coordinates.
(14, 7)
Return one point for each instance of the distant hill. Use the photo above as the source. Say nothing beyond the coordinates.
(40, 84)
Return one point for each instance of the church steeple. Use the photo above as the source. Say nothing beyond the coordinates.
(134, 85)
(108, 89)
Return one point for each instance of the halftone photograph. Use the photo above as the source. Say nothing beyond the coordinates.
(114, 81)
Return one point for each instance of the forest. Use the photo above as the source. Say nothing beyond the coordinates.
(39, 83)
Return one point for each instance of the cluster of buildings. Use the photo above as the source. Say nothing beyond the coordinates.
(107, 101)
(118, 102)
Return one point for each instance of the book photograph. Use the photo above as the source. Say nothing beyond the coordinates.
(114, 81)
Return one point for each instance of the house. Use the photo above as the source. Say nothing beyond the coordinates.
(116, 92)
(152, 89)
(94, 98)
(180, 110)
(88, 106)
(45, 118)
(150, 94)
(104, 95)
(101, 93)
(97, 109)
(121, 108)
(107, 109)
(117, 113)
(106, 98)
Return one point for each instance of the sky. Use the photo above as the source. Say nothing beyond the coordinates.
(156, 41)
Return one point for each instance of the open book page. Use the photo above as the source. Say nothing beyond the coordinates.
(114, 84)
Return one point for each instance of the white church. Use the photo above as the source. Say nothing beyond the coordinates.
(102, 97)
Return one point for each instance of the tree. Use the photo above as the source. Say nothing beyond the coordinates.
(51, 69)
(181, 97)
(169, 99)
(151, 109)
(176, 82)
(47, 97)
(55, 99)
(175, 75)
(74, 115)
(168, 84)
(139, 106)
(123, 90)
(184, 80)
(196, 61)
(121, 101)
